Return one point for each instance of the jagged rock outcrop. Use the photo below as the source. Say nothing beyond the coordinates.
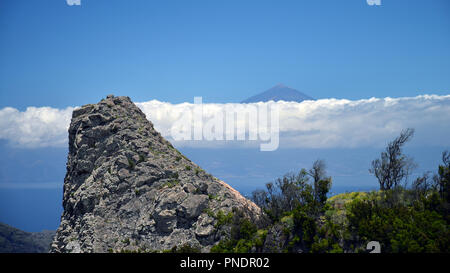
(127, 188)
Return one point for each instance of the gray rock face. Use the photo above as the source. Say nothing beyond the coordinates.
(127, 188)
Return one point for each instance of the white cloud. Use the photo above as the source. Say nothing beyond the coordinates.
(323, 123)
(329, 123)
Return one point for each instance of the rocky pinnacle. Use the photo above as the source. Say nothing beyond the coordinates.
(128, 189)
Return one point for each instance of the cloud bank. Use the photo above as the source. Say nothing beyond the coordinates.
(325, 123)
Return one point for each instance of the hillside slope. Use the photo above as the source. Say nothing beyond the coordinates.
(13, 240)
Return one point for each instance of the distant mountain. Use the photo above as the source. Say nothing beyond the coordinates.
(277, 93)
(13, 240)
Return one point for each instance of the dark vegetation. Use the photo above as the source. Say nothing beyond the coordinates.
(298, 216)
(13, 240)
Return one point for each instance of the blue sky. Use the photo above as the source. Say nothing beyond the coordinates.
(57, 55)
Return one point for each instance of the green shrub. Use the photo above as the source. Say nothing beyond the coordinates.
(223, 218)
(400, 228)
